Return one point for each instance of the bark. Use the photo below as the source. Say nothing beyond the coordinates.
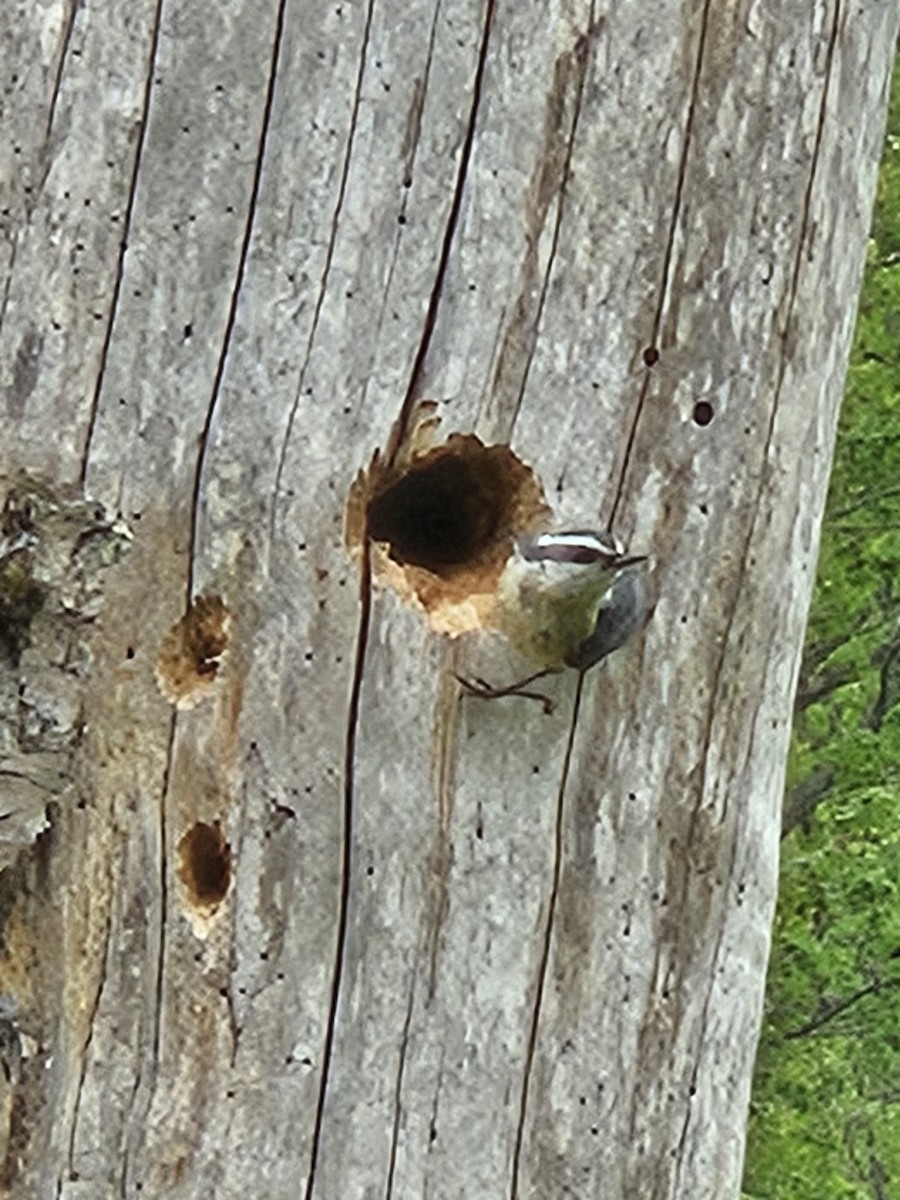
(301, 921)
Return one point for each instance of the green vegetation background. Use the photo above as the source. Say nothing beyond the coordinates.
(825, 1112)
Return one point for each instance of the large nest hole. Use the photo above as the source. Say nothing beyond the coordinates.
(442, 520)
(444, 512)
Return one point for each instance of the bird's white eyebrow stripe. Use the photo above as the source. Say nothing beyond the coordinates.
(574, 547)
(589, 541)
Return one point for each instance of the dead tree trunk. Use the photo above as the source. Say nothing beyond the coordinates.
(282, 915)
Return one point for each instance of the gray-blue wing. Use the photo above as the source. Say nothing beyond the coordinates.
(621, 615)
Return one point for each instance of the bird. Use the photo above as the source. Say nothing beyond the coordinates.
(565, 599)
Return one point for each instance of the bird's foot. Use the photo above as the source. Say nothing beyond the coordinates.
(487, 691)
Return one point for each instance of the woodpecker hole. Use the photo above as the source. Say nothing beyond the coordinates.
(650, 356)
(204, 865)
(444, 512)
(191, 653)
(703, 412)
(442, 520)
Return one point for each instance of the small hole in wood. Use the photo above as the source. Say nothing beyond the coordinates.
(703, 412)
(205, 865)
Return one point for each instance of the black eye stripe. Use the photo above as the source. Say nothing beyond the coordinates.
(564, 553)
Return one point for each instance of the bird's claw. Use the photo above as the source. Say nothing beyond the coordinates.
(486, 691)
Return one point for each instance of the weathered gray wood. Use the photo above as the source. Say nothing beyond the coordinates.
(226, 271)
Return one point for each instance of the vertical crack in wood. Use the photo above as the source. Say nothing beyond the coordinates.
(441, 856)
(329, 258)
(667, 256)
(410, 154)
(365, 565)
(362, 640)
(782, 367)
(74, 5)
(432, 1123)
(89, 1037)
(786, 331)
(807, 205)
(412, 392)
(580, 56)
(745, 554)
(702, 1025)
(136, 1120)
(544, 962)
(763, 475)
(143, 123)
(213, 405)
(7, 283)
(398, 1089)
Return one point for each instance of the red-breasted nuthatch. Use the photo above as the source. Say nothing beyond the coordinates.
(566, 600)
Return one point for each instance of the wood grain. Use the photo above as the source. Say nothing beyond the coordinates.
(240, 243)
